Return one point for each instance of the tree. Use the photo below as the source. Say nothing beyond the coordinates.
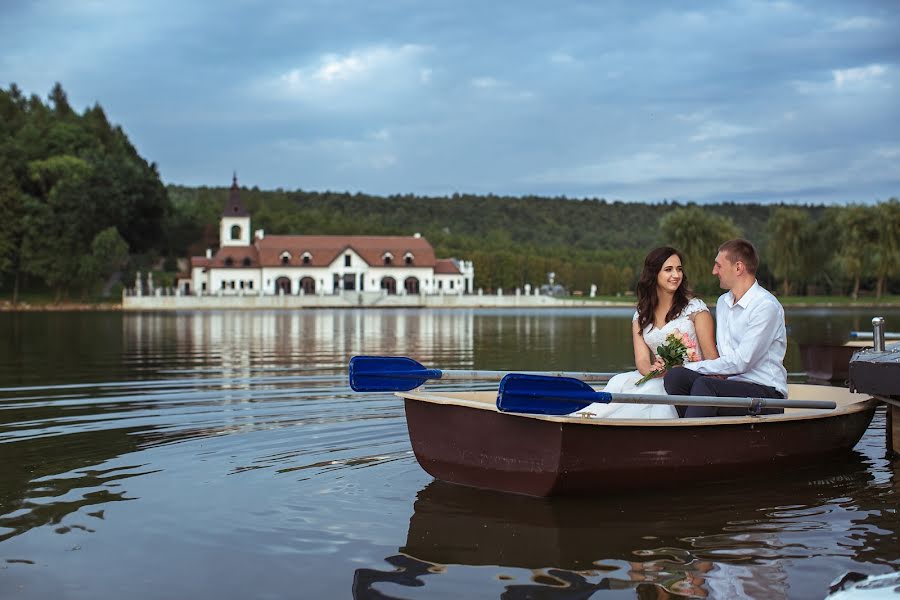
(857, 232)
(697, 234)
(887, 254)
(788, 228)
(109, 253)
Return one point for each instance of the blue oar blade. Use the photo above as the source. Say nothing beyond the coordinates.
(542, 395)
(388, 374)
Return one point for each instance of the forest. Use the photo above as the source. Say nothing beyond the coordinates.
(81, 211)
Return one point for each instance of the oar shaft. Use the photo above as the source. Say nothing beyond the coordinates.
(721, 401)
(498, 375)
(868, 335)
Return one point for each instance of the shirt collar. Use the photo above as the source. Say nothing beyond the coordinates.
(748, 296)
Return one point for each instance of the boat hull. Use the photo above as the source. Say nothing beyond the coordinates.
(468, 444)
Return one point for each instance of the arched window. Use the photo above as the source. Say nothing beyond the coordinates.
(389, 284)
(246, 262)
(283, 285)
(229, 262)
(308, 285)
(235, 232)
(408, 258)
(307, 258)
(388, 258)
(411, 284)
(285, 257)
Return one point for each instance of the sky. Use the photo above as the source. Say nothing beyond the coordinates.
(718, 101)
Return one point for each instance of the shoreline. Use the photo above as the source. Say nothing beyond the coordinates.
(8, 307)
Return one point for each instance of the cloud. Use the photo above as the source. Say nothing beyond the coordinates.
(485, 82)
(857, 76)
(361, 78)
(715, 130)
(855, 24)
(562, 58)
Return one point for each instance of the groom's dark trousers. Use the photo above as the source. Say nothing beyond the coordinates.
(685, 382)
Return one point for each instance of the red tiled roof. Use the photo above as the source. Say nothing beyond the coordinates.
(237, 254)
(446, 266)
(324, 249)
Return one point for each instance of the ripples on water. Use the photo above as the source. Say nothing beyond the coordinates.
(223, 455)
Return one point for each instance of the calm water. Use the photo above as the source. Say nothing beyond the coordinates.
(222, 455)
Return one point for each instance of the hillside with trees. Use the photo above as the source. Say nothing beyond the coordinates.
(80, 207)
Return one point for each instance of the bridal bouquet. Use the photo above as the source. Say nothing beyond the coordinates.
(677, 349)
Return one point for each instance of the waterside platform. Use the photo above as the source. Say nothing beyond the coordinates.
(877, 373)
(353, 300)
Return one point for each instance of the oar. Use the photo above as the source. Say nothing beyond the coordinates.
(401, 374)
(534, 394)
(868, 335)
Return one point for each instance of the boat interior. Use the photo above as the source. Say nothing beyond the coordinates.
(846, 401)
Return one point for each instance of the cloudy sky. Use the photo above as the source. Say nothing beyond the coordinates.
(726, 100)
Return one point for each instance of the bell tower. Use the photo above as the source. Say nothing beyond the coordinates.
(234, 226)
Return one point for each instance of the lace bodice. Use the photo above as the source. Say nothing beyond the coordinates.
(654, 336)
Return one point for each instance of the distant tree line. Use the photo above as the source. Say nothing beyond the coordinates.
(79, 204)
(513, 241)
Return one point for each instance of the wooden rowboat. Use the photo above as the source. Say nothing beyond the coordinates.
(462, 438)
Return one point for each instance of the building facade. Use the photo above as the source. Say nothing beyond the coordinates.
(260, 264)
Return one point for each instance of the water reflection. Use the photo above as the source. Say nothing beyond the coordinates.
(703, 542)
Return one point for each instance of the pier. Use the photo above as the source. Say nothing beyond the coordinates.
(876, 371)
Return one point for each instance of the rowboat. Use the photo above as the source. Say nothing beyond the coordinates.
(462, 438)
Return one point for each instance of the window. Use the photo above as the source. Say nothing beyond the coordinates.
(285, 257)
(235, 232)
(229, 262)
(242, 285)
(246, 261)
(307, 258)
(408, 258)
(388, 258)
(347, 258)
(250, 284)
(440, 285)
(451, 284)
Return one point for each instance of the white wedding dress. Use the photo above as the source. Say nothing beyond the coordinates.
(625, 382)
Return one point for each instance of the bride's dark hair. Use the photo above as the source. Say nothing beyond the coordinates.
(647, 297)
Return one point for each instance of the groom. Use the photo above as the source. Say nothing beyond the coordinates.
(750, 336)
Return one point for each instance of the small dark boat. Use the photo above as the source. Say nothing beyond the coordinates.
(462, 438)
(830, 362)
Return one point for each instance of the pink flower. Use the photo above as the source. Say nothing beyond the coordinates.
(693, 357)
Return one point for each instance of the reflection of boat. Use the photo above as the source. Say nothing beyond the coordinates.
(829, 361)
(462, 438)
(576, 546)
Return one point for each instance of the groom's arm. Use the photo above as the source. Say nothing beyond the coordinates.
(762, 329)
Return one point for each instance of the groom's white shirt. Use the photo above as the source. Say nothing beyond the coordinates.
(751, 340)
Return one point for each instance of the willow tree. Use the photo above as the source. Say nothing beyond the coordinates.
(698, 233)
(788, 229)
(858, 234)
(887, 254)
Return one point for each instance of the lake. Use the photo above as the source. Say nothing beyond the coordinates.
(223, 455)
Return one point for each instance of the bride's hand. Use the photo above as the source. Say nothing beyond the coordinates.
(659, 365)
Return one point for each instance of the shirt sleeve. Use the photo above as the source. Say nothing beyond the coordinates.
(635, 317)
(755, 342)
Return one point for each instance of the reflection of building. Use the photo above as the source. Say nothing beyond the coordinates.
(319, 264)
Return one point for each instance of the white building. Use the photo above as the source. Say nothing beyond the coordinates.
(319, 264)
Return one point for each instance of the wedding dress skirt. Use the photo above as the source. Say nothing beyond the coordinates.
(625, 383)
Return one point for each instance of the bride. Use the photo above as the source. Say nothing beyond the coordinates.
(664, 304)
